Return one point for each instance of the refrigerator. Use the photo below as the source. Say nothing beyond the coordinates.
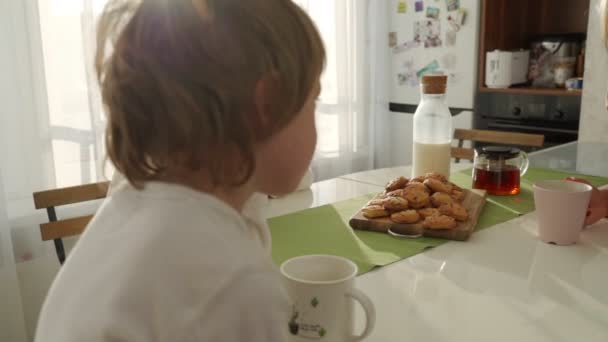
(425, 37)
(434, 36)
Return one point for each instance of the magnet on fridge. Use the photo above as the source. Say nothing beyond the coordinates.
(402, 7)
(450, 38)
(407, 78)
(392, 39)
(429, 68)
(453, 26)
(432, 12)
(456, 20)
(461, 16)
(452, 5)
(419, 5)
(428, 31)
(401, 79)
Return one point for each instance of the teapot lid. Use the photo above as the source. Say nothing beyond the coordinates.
(500, 152)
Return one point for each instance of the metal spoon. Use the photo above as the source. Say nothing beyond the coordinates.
(403, 236)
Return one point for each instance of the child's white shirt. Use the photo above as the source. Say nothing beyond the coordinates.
(168, 264)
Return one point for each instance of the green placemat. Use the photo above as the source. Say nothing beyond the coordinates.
(537, 174)
(523, 203)
(325, 230)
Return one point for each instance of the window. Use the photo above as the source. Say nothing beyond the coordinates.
(74, 117)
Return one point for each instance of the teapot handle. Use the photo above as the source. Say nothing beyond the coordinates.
(525, 164)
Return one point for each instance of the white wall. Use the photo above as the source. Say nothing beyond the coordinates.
(594, 114)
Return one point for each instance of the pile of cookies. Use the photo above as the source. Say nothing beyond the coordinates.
(431, 199)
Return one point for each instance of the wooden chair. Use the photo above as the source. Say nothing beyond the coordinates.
(505, 138)
(57, 229)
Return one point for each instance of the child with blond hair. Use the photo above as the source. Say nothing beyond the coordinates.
(208, 102)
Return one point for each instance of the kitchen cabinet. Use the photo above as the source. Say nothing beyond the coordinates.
(511, 24)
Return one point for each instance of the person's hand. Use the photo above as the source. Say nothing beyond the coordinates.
(597, 205)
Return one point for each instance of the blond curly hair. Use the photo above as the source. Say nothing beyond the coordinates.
(178, 81)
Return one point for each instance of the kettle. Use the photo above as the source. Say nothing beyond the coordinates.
(498, 169)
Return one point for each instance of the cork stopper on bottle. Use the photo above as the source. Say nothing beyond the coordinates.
(434, 84)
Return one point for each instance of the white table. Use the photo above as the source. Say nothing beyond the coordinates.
(501, 285)
(587, 158)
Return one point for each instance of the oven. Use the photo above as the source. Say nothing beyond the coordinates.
(556, 117)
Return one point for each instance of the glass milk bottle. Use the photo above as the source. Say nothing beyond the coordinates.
(432, 129)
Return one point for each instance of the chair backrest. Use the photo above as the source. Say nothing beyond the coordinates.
(57, 229)
(478, 135)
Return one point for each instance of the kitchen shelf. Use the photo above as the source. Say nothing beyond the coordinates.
(512, 24)
(532, 91)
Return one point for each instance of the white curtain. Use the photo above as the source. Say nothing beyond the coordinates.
(62, 145)
(344, 122)
(52, 126)
(379, 80)
(50, 136)
(51, 122)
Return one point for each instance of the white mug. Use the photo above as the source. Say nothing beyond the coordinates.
(321, 289)
(561, 207)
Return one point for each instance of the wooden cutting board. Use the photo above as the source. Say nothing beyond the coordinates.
(474, 201)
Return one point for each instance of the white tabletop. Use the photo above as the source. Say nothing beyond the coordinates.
(583, 157)
(501, 285)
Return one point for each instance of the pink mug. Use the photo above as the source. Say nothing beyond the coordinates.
(561, 208)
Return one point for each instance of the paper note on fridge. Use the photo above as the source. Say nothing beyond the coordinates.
(402, 7)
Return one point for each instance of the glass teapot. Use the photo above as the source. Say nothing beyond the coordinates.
(497, 169)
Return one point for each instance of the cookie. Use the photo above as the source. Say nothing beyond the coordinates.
(438, 186)
(416, 186)
(396, 193)
(418, 179)
(455, 187)
(437, 176)
(417, 198)
(426, 212)
(396, 184)
(395, 204)
(457, 195)
(439, 222)
(374, 211)
(455, 210)
(407, 216)
(376, 201)
(440, 198)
